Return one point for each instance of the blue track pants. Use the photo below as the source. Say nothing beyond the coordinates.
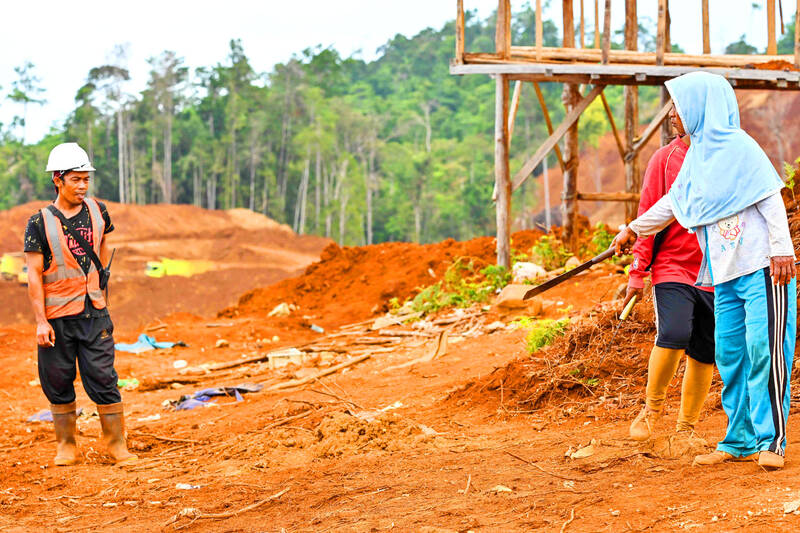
(755, 337)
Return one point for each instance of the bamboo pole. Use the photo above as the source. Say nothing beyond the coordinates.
(460, 32)
(540, 30)
(597, 24)
(706, 36)
(571, 97)
(549, 123)
(797, 35)
(502, 36)
(772, 45)
(631, 95)
(606, 32)
(613, 124)
(512, 114)
(501, 172)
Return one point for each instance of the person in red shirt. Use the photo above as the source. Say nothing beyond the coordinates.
(684, 312)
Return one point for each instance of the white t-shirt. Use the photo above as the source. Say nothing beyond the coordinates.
(734, 246)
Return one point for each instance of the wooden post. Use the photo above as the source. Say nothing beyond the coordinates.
(772, 45)
(706, 37)
(502, 36)
(540, 30)
(661, 31)
(666, 127)
(597, 23)
(607, 31)
(548, 221)
(460, 32)
(631, 94)
(571, 97)
(583, 28)
(502, 177)
(797, 35)
(549, 123)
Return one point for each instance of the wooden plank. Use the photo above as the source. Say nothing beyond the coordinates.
(613, 124)
(597, 24)
(797, 35)
(609, 196)
(606, 32)
(501, 173)
(540, 29)
(706, 36)
(649, 131)
(653, 74)
(502, 36)
(591, 55)
(512, 114)
(549, 123)
(661, 34)
(555, 137)
(460, 32)
(772, 44)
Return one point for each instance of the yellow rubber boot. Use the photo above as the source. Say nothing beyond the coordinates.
(660, 371)
(696, 382)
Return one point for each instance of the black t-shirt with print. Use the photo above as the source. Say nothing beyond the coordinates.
(36, 241)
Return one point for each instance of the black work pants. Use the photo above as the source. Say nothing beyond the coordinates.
(90, 342)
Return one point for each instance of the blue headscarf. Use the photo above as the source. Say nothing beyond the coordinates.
(725, 170)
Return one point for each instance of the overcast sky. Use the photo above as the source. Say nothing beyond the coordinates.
(66, 39)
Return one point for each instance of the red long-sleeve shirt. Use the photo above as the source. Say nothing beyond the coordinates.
(678, 256)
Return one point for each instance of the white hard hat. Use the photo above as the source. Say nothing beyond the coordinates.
(68, 156)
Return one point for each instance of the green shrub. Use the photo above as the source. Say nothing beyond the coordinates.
(541, 332)
(461, 286)
(550, 252)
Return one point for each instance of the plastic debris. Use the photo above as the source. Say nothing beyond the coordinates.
(316, 328)
(180, 363)
(128, 383)
(186, 486)
(282, 309)
(145, 343)
(203, 398)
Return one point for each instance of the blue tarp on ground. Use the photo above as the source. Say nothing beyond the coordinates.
(145, 343)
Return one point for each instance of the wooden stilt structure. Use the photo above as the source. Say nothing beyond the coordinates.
(595, 68)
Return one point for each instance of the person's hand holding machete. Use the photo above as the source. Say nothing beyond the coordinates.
(623, 241)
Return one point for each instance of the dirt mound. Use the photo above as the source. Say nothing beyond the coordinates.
(247, 250)
(352, 283)
(599, 356)
(341, 433)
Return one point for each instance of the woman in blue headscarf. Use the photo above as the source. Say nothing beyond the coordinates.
(728, 194)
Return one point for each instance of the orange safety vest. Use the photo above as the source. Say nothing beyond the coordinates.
(65, 284)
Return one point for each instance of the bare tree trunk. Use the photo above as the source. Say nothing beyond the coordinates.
(300, 204)
(252, 176)
(153, 169)
(121, 154)
(167, 181)
(317, 190)
(343, 217)
(132, 193)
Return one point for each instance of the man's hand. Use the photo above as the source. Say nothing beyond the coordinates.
(630, 292)
(782, 269)
(45, 336)
(623, 241)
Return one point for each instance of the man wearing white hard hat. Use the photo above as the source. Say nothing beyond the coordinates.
(65, 250)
